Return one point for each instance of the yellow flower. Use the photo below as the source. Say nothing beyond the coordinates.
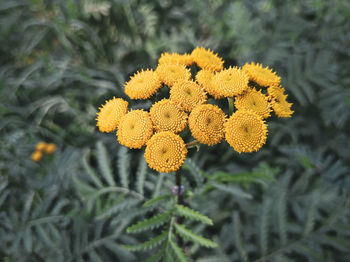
(175, 59)
(279, 101)
(169, 74)
(187, 94)
(143, 85)
(135, 129)
(50, 148)
(40, 146)
(261, 75)
(229, 82)
(205, 79)
(37, 156)
(206, 59)
(206, 123)
(166, 116)
(245, 131)
(110, 113)
(165, 152)
(255, 101)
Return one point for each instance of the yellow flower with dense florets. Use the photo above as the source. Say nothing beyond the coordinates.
(175, 59)
(40, 146)
(255, 101)
(37, 156)
(206, 59)
(110, 114)
(205, 79)
(229, 82)
(143, 85)
(135, 129)
(206, 123)
(165, 152)
(187, 94)
(245, 131)
(50, 148)
(279, 101)
(166, 116)
(169, 74)
(263, 76)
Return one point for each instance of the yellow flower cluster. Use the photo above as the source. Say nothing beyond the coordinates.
(255, 92)
(42, 148)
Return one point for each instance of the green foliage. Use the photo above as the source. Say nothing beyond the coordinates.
(60, 60)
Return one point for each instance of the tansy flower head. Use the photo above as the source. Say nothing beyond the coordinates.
(261, 75)
(110, 113)
(279, 101)
(143, 85)
(175, 59)
(135, 129)
(37, 156)
(166, 116)
(229, 82)
(245, 131)
(206, 59)
(255, 101)
(205, 79)
(206, 123)
(50, 148)
(170, 73)
(165, 152)
(40, 146)
(187, 94)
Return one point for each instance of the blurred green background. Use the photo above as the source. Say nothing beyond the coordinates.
(61, 59)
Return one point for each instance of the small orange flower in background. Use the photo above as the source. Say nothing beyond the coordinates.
(41, 148)
(253, 92)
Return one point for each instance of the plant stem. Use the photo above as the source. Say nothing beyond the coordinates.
(230, 105)
(180, 201)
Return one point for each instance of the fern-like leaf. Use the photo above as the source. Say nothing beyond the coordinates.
(237, 236)
(141, 175)
(104, 164)
(179, 254)
(156, 201)
(187, 234)
(232, 190)
(124, 166)
(192, 214)
(153, 222)
(92, 174)
(150, 244)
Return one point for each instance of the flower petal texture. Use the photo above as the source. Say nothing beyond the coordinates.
(110, 113)
(40, 146)
(135, 129)
(255, 101)
(166, 116)
(279, 102)
(205, 79)
(175, 59)
(206, 123)
(37, 156)
(187, 94)
(263, 76)
(50, 148)
(165, 152)
(207, 59)
(230, 82)
(143, 85)
(245, 131)
(169, 74)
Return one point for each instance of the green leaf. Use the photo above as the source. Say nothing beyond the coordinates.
(141, 175)
(156, 201)
(232, 190)
(153, 222)
(180, 256)
(187, 234)
(152, 243)
(192, 214)
(93, 176)
(124, 166)
(157, 256)
(104, 164)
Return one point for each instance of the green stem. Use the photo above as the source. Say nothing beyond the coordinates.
(180, 201)
(230, 105)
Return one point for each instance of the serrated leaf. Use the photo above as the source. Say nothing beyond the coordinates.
(157, 256)
(154, 222)
(127, 203)
(180, 256)
(104, 164)
(93, 176)
(232, 190)
(141, 175)
(157, 200)
(124, 166)
(192, 214)
(187, 234)
(152, 243)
